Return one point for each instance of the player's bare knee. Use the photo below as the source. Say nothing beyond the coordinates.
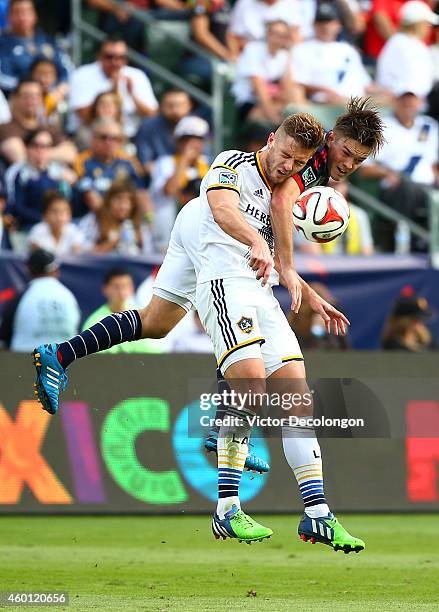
(151, 328)
(247, 379)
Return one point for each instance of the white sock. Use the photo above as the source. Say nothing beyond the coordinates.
(302, 451)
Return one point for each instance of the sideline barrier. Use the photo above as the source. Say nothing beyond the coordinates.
(120, 442)
(365, 287)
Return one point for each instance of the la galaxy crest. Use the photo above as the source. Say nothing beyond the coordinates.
(245, 324)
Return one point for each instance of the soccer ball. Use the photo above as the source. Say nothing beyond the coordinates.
(321, 214)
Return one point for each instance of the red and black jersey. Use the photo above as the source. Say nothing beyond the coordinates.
(315, 172)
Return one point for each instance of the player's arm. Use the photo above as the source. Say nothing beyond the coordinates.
(334, 320)
(281, 217)
(224, 206)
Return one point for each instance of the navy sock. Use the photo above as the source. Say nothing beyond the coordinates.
(223, 386)
(116, 328)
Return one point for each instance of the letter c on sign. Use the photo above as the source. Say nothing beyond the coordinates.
(120, 429)
(188, 442)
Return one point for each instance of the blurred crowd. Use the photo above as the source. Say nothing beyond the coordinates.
(99, 158)
(47, 311)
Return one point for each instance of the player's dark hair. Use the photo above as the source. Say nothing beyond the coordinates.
(53, 195)
(114, 273)
(304, 128)
(362, 122)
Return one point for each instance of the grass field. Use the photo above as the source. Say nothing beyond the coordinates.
(173, 563)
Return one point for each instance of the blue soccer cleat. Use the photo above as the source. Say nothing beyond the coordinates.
(253, 463)
(51, 376)
(328, 530)
(237, 524)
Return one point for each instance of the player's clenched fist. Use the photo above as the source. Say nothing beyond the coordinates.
(261, 260)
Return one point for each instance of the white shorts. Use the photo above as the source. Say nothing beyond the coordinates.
(176, 280)
(245, 321)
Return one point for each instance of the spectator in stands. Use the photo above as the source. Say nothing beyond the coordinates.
(103, 164)
(406, 164)
(117, 226)
(118, 290)
(173, 172)
(249, 18)
(27, 116)
(357, 239)
(56, 232)
(325, 69)
(45, 312)
(21, 43)
(309, 326)
(111, 73)
(405, 60)
(26, 182)
(156, 134)
(406, 329)
(383, 22)
(107, 105)
(209, 22)
(44, 72)
(262, 84)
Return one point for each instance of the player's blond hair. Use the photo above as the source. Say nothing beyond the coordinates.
(361, 122)
(304, 128)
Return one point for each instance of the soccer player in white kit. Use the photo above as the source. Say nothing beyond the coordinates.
(255, 347)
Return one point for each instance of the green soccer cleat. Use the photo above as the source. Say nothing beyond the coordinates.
(237, 524)
(327, 530)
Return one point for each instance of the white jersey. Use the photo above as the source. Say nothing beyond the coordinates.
(221, 255)
(47, 312)
(413, 151)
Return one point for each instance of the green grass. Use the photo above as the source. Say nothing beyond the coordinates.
(173, 563)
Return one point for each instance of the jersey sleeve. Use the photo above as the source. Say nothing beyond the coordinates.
(222, 174)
